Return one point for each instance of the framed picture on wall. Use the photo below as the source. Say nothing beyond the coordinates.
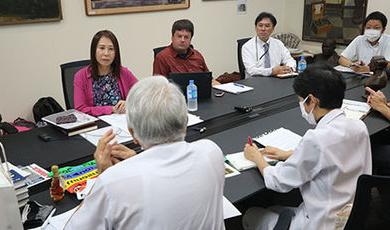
(29, 11)
(340, 20)
(102, 7)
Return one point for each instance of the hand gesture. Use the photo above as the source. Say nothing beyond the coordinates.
(103, 151)
(377, 100)
(120, 152)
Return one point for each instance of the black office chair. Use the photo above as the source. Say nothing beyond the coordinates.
(67, 74)
(241, 67)
(158, 49)
(362, 205)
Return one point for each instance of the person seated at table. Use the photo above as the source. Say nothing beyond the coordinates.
(101, 87)
(373, 42)
(380, 145)
(326, 163)
(173, 184)
(180, 56)
(328, 54)
(264, 55)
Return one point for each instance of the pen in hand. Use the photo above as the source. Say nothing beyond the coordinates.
(250, 142)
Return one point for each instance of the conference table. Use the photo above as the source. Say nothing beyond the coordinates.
(273, 104)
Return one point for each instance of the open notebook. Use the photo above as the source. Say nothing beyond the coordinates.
(355, 109)
(281, 138)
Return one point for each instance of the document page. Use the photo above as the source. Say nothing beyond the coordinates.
(355, 109)
(121, 135)
(233, 87)
(229, 210)
(281, 138)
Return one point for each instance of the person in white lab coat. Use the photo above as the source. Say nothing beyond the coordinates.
(171, 185)
(327, 162)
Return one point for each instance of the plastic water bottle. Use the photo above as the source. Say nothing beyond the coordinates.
(301, 64)
(192, 96)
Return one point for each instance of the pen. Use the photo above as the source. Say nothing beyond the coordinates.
(239, 85)
(250, 140)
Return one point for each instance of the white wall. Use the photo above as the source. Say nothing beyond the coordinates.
(31, 53)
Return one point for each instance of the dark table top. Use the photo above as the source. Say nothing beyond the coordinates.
(25, 148)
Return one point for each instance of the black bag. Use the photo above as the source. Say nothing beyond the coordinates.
(45, 106)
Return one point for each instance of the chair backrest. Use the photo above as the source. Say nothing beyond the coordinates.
(158, 49)
(67, 74)
(362, 205)
(241, 67)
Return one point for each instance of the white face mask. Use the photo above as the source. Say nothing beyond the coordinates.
(309, 117)
(372, 34)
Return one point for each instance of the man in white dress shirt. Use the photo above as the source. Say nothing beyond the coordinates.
(327, 162)
(171, 185)
(373, 42)
(263, 55)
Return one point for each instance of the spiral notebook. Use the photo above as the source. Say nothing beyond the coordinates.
(281, 138)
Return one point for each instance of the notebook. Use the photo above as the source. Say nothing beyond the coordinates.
(201, 79)
(281, 138)
(355, 109)
(239, 162)
(233, 87)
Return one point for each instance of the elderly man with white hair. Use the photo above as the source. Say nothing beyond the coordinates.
(171, 185)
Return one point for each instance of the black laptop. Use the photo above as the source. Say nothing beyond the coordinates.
(201, 79)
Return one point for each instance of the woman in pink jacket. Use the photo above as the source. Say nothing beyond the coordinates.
(102, 87)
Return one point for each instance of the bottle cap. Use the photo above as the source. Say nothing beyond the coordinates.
(191, 81)
(54, 169)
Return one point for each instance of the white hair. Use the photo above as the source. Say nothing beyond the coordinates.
(156, 112)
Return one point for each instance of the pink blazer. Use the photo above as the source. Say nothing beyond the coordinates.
(83, 94)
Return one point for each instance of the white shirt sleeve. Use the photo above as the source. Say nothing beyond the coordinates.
(300, 167)
(350, 51)
(252, 66)
(287, 59)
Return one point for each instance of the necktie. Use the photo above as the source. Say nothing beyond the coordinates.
(267, 62)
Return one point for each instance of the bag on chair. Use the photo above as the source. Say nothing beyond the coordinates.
(9, 211)
(45, 106)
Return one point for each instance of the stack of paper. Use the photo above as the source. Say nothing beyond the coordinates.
(116, 120)
(83, 123)
(233, 87)
(121, 135)
(344, 69)
(18, 177)
(355, 109)
(281, 138)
